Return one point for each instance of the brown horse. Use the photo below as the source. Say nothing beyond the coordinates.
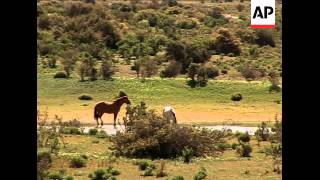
(106, 107)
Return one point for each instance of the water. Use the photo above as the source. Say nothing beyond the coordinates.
(109, 129)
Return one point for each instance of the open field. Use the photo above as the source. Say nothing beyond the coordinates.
(205, 105)
(225, 167)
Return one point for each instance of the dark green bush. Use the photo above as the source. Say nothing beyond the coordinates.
(178, 178)
(93, 132)
(104, 174)
(234, 146)
(143, 164)
(244, 149)
(149, 135)
(78, 162)
(186, 24)
(72, 130)
(77, 8)
(85, 97)
(172, 70)
(60, 75)
(160, 172)
(102, 134)
(265, 37)
(106, 70)
(55, 176)
(244, 137)
(148, 172)
(226, 43)
(169, 2)
(236, 97)
(187, 154)
(262, 133)
(200, 175)
(44, 156)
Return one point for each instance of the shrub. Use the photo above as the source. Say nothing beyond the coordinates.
(44, 22)
(240, 7)
(216, 12)
(262, 133)
(274, 87)
(148, 67)
(249, 73)
(85, 97)
(143, 164)
(200, 175)
(193, 70)
(202, 76)
(187, 154)
(55, 176)
(102, 134)
(178, 178)
(236, 97)
(160, 171)
(60, 74)
(106, 70)
(186, 24)
(68, 61)
(234, 146)
(244, 149)
(69, 178)
(148, 172)
(93, 132)
(211, 70)
(226, 43)
(169, 3)
(265, 37)
(77, 8)
(172, 70)
(149, 135)
(102, 174)
(77, 162)
(223, 146)
(72, 123)
(244, 137)
(224, 71)
(71, 130)
(246, 35)
(44, 156)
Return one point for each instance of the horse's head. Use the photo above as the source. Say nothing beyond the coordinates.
(126, 100)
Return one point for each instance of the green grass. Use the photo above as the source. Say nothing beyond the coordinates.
(154, 91)
(227, 166)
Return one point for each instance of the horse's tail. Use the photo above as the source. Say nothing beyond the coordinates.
(95, 113)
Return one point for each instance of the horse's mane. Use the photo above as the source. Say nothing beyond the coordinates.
(119, 98)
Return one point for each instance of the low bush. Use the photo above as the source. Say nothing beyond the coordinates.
(172, 70)
(236, 97)
(244, 137)
(187, 155)
(102, 134)
(85, 97)
(148, 172)
(234, 146)
(262, 133)
(160, 171)
(71, 130)
(55, 176)
(200, 175)
(244, 149)
(60, 74)
(93, 132)
(149, 135)
(104, 174)
(178, 178)
(78, 162)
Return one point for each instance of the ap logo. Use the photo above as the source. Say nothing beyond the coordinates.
(263, 13)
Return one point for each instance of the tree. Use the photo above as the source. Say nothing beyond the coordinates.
(69, 60)
(86, 66)
(148, 67)
(226, 43)
(136, 67)
(193, 70)
(106, 70)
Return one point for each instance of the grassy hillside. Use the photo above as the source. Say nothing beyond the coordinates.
(211, 104)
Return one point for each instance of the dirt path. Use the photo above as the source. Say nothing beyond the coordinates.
(185, 115)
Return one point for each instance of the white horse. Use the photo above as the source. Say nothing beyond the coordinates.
(169, 114)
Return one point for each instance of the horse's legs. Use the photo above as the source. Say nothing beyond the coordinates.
(114, 119)
(101, 121)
